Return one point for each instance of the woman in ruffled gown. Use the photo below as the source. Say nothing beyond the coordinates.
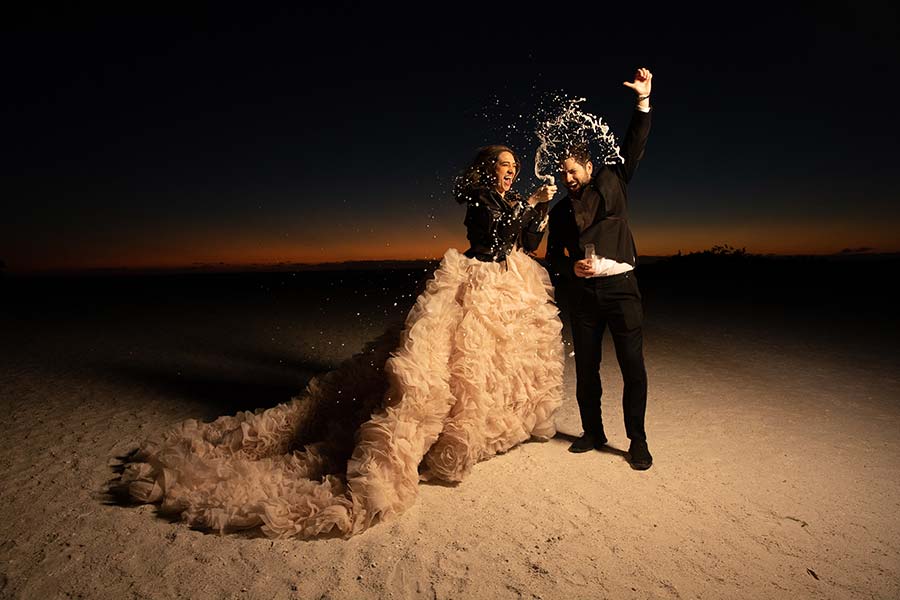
(477, 369)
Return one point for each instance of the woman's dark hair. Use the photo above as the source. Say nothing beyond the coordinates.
(481, 173)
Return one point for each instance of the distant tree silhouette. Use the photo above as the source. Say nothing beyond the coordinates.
(718, 254)
(723, 250)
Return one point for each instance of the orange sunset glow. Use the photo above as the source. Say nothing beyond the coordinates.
(257, 249)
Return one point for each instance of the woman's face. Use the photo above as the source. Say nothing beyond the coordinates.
(506, 171)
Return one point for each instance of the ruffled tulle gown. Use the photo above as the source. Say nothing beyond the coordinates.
(476, 370)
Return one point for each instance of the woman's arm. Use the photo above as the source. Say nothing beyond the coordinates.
(535, 219)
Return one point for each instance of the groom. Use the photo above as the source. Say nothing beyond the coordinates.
(603, 292)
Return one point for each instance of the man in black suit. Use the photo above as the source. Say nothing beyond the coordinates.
(602, 289)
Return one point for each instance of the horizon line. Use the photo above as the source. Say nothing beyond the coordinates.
(221, 266)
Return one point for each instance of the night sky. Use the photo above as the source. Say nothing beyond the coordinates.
(220, 136)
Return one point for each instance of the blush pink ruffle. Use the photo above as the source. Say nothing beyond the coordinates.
(477, 369)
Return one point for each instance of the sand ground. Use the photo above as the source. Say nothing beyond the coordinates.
(776, 444)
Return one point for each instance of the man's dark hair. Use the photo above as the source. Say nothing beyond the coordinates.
(578, 153)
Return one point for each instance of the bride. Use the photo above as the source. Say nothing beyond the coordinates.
(477, 369)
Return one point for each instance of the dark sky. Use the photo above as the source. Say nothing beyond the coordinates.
(216, 135)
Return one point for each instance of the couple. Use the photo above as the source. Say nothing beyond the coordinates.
(477, 369)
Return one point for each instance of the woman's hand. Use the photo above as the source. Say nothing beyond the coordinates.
(544, 193)
(641, 83)
(584, 268)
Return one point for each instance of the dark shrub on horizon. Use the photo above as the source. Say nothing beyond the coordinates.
(724, 273)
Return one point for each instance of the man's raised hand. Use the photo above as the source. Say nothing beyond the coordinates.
(641, 83)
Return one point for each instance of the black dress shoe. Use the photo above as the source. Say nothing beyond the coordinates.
(639, 455)
(587, 442)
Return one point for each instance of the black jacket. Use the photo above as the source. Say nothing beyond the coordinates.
(494, 227)
(608, 228)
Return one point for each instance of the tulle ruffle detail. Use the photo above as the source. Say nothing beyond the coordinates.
(476, 370)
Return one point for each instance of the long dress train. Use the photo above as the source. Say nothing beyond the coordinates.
(477, 369)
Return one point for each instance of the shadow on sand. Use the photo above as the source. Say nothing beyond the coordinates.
(219, 392)
(568, 438)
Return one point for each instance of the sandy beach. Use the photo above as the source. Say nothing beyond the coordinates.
(775, 432)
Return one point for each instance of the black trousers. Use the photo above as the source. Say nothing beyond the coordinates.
(614, 302)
